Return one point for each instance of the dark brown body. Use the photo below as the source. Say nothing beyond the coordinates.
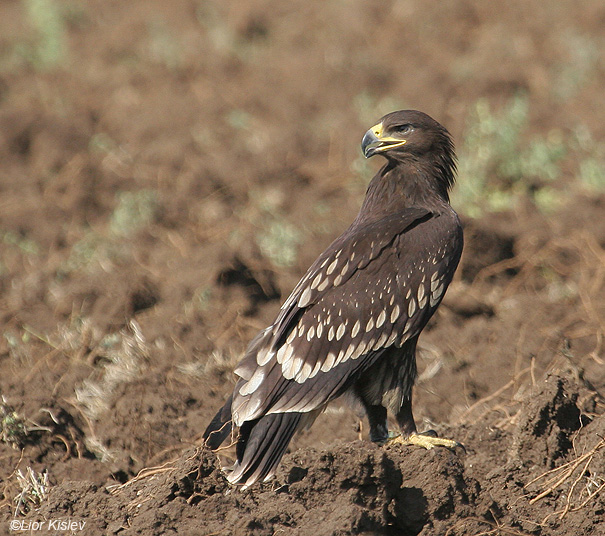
(352, 323)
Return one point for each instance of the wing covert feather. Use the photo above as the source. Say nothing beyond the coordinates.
(324, 335)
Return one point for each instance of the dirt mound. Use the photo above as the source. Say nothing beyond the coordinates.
(539, 475)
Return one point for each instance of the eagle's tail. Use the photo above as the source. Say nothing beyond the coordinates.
(220, 427)
(261, 445)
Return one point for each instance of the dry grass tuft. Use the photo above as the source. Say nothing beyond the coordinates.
(125, 362)
(34, 488)
(218, 363)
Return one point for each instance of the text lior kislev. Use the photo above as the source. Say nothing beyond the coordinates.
(60, 524)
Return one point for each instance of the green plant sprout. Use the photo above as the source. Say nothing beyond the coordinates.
(497, 167)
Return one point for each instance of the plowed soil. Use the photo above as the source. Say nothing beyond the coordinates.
(168, 170)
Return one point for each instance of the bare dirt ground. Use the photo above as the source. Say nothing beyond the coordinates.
(168, 170)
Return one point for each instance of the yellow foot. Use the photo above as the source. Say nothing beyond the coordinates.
(427, 440)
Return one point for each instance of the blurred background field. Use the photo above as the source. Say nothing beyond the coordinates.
(168, 170)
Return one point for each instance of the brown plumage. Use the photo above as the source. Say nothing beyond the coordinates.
(351, 324)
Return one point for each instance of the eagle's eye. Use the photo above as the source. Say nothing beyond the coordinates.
(403, 129)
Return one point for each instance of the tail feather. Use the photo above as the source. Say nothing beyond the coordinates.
(261, 445)
(220, 427)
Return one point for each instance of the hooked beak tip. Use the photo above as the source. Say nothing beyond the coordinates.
(369, 143)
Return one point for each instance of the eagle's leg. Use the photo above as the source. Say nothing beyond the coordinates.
(409, 435)
(377, 417)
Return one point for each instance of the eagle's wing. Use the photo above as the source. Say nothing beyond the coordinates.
(374, 287)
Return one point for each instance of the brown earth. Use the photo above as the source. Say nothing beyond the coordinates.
(167, 173)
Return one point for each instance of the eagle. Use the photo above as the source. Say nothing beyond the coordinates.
(351, 325)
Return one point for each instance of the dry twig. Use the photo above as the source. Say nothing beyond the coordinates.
(564, 473)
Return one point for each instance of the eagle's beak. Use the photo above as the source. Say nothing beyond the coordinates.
(370, 141)
(375, 142)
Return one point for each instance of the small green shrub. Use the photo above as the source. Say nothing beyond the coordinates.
(134, 211)
(279, 241)
(497, 165)
(48, 48)
(13, 428)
